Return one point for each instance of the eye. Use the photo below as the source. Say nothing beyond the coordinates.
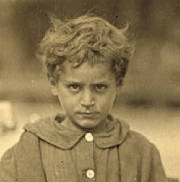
(100, 87)
(74, 87)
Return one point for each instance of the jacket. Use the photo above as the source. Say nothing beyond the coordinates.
(49, 152)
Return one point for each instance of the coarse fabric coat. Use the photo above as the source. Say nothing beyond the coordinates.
(48, 152)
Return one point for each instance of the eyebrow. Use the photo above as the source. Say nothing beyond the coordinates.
(71, 81)
(94, 83)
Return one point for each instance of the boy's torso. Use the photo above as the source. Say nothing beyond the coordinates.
(49, 152)
(112, 155)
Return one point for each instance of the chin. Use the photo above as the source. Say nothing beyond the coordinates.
(87, 124)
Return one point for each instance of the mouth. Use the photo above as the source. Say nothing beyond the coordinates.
(88, 114)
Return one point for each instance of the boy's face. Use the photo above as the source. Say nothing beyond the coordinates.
(86, 93)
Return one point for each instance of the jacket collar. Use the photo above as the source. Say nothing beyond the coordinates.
(52, 131)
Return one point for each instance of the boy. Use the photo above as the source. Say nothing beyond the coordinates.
(86, 60)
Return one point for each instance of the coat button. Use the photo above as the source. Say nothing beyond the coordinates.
(90, 173)
(89, 137)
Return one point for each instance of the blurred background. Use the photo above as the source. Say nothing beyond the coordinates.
(149, 99)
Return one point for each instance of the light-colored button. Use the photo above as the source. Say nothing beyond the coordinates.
(90, 173)
(89, 137)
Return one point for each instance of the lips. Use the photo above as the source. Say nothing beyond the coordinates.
(88, 114)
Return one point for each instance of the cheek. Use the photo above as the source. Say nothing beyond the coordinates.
(69, 103)
(106, 103)
(66, 102)
(63, 97)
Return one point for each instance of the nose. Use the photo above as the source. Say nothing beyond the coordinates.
(87, 99)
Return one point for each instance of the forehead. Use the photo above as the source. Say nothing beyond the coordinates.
(87, 72)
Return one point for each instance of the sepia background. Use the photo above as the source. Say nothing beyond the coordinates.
(149, 99)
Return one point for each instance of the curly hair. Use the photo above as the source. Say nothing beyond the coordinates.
(86, 38)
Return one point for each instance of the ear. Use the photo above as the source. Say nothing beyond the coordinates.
(54, 90)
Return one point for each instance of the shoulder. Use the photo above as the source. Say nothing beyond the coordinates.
(9, 163)
(28, 143)
(137, 142)
(44, 125)
(34, 127)
(28, 140)
(137, 138)
(131, 137)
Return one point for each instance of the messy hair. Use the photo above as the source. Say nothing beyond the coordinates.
(84, 39)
